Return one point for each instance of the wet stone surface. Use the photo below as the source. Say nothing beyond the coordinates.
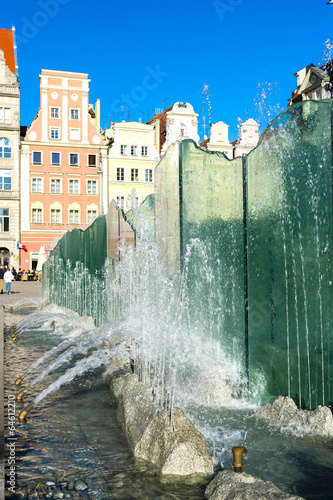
(74, 489)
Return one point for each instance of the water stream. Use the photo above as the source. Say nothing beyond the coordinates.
(73, 432)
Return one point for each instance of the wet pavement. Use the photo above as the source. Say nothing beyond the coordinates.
(21, 290)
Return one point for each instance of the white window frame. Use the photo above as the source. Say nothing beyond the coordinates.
(91, 220)
(6, 173)
(123, 149)
(121, 174)
(144, 151)
(54, 108)
(73, 211)
(38, 211)
(91, 154)
(3, 112)
(149, 171)
(56, 153)
(91, 182)
(133, 171)
(2, 220)
(58, 212)
(74, 164)
(4, 146)
(57, 182)
(39, 185)
(55, 129)
(134, 150)
(41, 158)
(74, 182)
(121, 202)
(78, 114)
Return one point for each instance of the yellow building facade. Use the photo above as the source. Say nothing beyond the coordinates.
(132, 159)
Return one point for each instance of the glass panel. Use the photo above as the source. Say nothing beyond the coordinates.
(212, 211)
(290, 254)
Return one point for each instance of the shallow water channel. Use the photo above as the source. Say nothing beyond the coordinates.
(73, 435)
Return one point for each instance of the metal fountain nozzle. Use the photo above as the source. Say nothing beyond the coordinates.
(237, 455)
(25, 411)
(20, 395)
(19, 380)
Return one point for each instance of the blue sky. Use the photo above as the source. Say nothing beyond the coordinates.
(138, 54)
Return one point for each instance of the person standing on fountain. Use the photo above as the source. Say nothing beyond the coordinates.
(2, 272)
(8, 279)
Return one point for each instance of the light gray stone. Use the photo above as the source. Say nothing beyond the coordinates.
(284, 410)
(176, 447)
(80, 485)
(229, 485)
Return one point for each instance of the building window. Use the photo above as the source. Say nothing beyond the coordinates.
(74, 159)
(144, 150)
(149, 175)
(74, 134)
(37, 216)
(37, 158)
(4, 220)
(5, 180)
(55, 158)
(134, 150)
(36, 185)
(73, 186)
(120, 174)
(91, 187)
(55, 133)
(121, 202)
(92, 161)
(74, 217)
(91, 215)
(5, 115)
(123, 149)
(134, 174)
(55, 216)
(5, 148)
(54, 113)
(55, 186)
(74, 114)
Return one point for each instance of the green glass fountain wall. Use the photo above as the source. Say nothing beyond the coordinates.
(266, 221)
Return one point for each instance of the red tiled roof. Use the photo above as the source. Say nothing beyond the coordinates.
(7, 45)
(204, 143)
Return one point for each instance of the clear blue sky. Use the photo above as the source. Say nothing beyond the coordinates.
(138, 53)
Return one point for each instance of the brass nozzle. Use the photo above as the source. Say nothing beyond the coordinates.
(19, 380)
(237, 455)
(25, 411)
(20, 395)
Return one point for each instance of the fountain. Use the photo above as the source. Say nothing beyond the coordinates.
(254, 240)
(220, 285)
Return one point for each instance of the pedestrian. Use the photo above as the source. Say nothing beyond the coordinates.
(8, 277)
(2, 272)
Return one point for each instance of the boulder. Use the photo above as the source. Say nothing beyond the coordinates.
(284, 410)
(173, 445)
(229, 485)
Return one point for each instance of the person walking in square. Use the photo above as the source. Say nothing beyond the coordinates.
(2, 273)
(8, 277)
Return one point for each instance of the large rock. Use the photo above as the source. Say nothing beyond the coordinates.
(229, 485)
(174, 446)
(284, 410)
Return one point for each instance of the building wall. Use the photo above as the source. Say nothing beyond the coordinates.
(127, 167)
(10, 165)
(61, 183)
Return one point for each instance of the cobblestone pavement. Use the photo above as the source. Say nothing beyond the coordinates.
(21, 290)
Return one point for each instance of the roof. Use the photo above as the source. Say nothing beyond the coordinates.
(162, 118)
(7, 45)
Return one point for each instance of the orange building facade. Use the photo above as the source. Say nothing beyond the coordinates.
(63, 162)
